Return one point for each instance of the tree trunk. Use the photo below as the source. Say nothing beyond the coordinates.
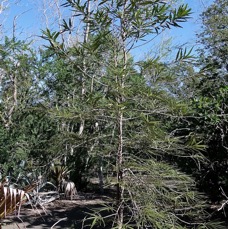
(83, 89)
(120, 172)
(100, 175)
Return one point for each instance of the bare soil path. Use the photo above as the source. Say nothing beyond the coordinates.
(59, 214)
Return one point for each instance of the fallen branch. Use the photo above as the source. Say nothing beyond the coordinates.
(58, 222)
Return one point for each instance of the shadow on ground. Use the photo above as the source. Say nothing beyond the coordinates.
(59, 214)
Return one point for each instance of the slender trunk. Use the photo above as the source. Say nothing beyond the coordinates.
(13, 106)
(100, 175)
(120, 190)
(120, 172)
(86, 36)
(83, 89)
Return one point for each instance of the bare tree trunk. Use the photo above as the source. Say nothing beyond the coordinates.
(120, 190)
(120, 172)
(100, 175)
(82, 79)
(14, 80)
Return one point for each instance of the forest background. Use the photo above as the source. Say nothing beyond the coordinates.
(99, 90)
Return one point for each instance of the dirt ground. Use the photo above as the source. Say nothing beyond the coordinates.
(57, 214)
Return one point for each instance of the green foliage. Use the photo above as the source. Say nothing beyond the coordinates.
(17, 93)
(17, 61)
(210, 102)
(52, 38)
(215, 33)
(205, 89)
(91, 110)
(112, 116)
(183, 55)
(212, 124)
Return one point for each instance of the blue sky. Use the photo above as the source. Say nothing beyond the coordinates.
(186, 36)
(27, 15)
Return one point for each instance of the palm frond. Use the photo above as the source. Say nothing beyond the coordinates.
(11, 199)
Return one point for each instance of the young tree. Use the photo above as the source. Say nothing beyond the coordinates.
(123, 114)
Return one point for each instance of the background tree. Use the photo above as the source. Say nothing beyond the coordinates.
(26, 129)
(207, 99)
(17, 62)
(214, 38)
(210, 97)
